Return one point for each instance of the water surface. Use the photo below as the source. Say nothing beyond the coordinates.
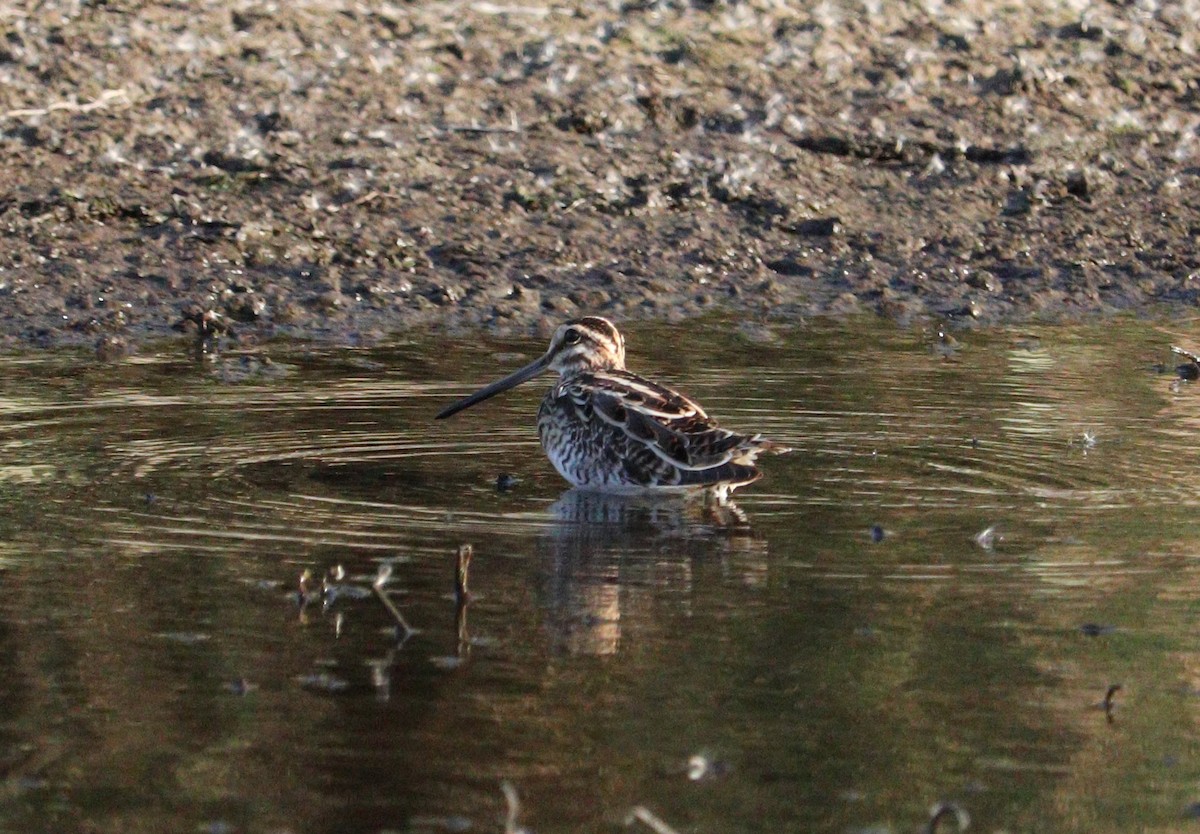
(838, 652)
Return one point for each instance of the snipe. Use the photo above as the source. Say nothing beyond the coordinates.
(607, 429)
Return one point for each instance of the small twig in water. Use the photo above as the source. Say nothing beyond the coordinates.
(514, 809)
(381, 579)
(460, 629)
(1110, 703)
(463, 565)
(642, 814)
(462, 596)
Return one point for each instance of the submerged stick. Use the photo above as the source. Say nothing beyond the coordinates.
(514, 808)
(1110, 703)
(381, 578)
(460, 629)
(462, 596)
(463, 565)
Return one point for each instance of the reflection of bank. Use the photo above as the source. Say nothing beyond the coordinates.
(606, 555)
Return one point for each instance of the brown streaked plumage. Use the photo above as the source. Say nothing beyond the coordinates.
(608, 429)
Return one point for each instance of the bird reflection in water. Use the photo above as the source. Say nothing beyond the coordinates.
(608, 556)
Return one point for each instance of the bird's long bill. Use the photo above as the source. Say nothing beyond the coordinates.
(512, 380)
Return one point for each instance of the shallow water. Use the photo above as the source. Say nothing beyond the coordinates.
(839, 652)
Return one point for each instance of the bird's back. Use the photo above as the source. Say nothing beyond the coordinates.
(616, 431)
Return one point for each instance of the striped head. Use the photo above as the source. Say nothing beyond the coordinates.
(587, 344)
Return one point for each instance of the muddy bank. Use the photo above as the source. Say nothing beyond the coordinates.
(345, 170)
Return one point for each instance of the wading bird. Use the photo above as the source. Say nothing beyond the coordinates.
(610, 430)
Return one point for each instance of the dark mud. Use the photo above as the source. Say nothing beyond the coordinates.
(347, 170)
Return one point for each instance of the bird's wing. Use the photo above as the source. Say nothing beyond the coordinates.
(671, 425)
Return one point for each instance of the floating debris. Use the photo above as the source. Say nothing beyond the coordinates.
(447, 662)
(323, 682)
(241, 686)
(505, 482)
(332, 587)
(642, 814)
(1096, 629)
(188, 638)
(700, 767)
(1189, 370)
(381, 676)
(453, 824)
(987, 538)
(944, 811)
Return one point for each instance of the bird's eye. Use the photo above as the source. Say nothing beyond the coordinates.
(571, 337)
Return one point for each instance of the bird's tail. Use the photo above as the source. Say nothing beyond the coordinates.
(756, 445)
